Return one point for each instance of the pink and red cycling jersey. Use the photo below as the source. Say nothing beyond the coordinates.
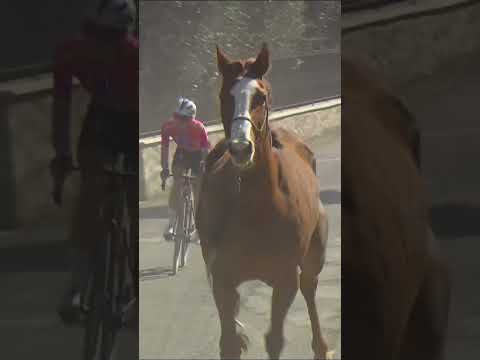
(188, 135)
(113, 84)
(116, 81)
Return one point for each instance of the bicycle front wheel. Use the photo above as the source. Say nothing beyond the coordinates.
(177, 246)
(187, 217)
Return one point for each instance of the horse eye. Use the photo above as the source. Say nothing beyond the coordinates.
(258, 99)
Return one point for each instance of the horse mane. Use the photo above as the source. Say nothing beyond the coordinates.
(400, 122)
(383, 199)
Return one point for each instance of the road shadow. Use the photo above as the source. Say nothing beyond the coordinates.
(50, 257)
(161, 272)
(455, 219)
(331, 197)
(156, 212)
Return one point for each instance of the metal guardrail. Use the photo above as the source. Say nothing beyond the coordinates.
(278, 114)
(147, 134)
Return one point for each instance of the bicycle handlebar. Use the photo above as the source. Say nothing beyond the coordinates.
(183, 176)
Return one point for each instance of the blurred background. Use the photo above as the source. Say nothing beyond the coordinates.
(34, 260)
(35, 28)
(178, 55)
(428, 52)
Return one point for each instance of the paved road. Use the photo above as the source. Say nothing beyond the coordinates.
(178, 319)
(33, 273)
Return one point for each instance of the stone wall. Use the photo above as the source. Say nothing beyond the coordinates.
(409, 47)
(26, 153)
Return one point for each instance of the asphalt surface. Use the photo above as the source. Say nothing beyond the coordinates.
(33, 276)
(178, 318)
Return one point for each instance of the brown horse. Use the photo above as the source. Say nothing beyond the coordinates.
(259, 216)
(395, 284)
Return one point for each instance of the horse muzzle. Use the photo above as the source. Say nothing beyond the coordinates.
(241, 145)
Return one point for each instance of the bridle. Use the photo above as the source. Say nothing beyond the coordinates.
(258, 129)
(265, 121)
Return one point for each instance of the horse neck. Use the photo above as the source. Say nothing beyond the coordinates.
(264, 167)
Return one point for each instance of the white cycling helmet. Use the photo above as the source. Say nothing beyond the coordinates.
(116, 14)
(186, 108)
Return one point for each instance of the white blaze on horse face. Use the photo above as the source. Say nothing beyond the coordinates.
(241, 135)
(242, 93)
(241, 128)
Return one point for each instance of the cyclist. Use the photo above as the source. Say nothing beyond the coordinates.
(191, 138)
(104, 58)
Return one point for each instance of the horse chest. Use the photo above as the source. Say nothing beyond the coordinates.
(261, 233)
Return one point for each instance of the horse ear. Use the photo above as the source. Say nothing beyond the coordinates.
(262, 62)
(223, 61)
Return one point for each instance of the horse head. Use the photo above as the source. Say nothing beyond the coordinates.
(244, 101)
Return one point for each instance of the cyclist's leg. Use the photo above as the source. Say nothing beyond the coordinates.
(133, 215)
(197, 172)
(172, 199)
(178, 168)
(132, 203)
(172, 203)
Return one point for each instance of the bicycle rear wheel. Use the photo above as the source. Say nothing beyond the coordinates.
(187, 219)
(111, 322)
(121, 262)
(96, 300)
(177, 248)
(179, 238)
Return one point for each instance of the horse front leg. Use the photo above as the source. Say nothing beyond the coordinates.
(227, 300)
(311, 268)
(284, 291)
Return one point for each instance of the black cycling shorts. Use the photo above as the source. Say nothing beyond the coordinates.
(113, 131)
(188, 160)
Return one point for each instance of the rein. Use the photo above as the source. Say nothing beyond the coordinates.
(264, 124)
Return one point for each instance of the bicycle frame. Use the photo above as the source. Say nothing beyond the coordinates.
(184, 223)
(113, 263)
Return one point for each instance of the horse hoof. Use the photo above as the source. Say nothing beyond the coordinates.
(240, 324)
(330, 355)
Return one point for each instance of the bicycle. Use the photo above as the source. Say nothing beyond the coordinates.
(110, 291)
(184, 222)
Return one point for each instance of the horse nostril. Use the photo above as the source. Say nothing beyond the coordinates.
(237, 146)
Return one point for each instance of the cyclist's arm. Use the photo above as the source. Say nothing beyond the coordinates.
(166, 133)
(205, 147)
(204, 143)
(62, 78)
